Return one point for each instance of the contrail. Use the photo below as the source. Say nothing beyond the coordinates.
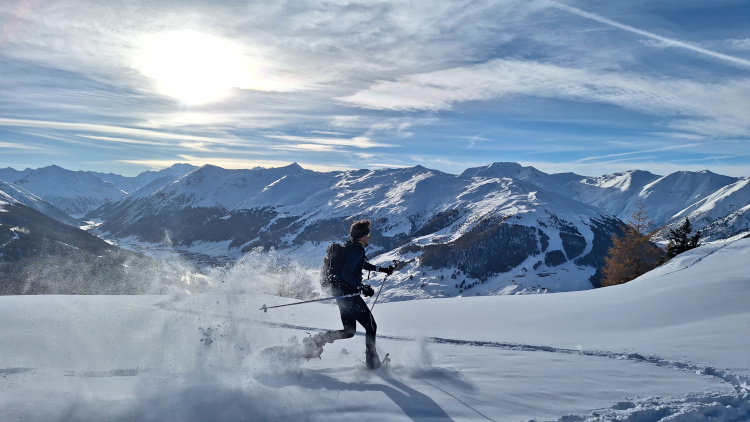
(668, 41)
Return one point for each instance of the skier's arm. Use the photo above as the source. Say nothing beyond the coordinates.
(370, 267)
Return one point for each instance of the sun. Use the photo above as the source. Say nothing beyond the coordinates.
(192, 67)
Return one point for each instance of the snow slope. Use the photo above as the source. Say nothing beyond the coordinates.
(671, 345)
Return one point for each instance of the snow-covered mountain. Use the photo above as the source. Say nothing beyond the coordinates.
(40, 255)
(615, 193)
(131, 184)
(458, 226)
(79, 192)
(714, 203)
(664, 199)
(75, 192)
(721, 213)
(15, 193)
(491, 229)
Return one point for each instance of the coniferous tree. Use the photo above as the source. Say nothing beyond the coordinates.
(680, 239)
(633, 254)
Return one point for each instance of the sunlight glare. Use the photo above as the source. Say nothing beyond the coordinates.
(192, 67)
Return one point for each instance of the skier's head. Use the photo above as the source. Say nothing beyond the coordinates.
(360, 231)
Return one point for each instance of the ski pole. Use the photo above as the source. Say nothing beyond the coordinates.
(378, 295)
(265, 308)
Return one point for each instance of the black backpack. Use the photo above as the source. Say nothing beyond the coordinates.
(333, 263)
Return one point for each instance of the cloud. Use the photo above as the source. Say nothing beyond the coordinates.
(638, 152)
(121, 131)
(391, 68)
(740, 44)
(474, 139)
(305, 147)
(716, 109)
(357, 141)
(18, 146)
(322, 132)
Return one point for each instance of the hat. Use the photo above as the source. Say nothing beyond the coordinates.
(359, 229)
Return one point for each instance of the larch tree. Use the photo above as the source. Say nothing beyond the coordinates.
(633, 254)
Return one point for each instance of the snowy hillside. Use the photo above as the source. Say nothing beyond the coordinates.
(669, 346)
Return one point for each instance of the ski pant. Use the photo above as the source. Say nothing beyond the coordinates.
(353, 310)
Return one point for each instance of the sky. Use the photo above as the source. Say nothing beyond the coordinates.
(579, 86)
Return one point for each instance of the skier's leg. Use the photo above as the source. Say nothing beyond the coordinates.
(353, 310)
(347, 308)
(365, 318)
(367, 321)
(313, 346)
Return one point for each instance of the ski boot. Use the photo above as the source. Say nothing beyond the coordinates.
(372, 359)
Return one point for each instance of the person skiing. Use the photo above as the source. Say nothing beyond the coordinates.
(343, 276)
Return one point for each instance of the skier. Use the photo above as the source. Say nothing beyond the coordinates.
(342, 275)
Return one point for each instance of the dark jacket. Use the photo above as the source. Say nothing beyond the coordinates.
(356, 261)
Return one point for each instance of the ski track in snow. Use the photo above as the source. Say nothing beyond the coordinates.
(691, 407)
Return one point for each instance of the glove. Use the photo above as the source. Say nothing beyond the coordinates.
(366, 290)
(387, 270)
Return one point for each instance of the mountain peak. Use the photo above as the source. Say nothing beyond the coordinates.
(294, 167)
(497, 169)
(54, 168)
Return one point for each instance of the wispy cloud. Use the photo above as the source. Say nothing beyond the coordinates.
(304, 147)
(740, 44)
(10, 145)
(358, 141)
(639, 152)
(474, 139)
(141, 135)
(504, 79)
